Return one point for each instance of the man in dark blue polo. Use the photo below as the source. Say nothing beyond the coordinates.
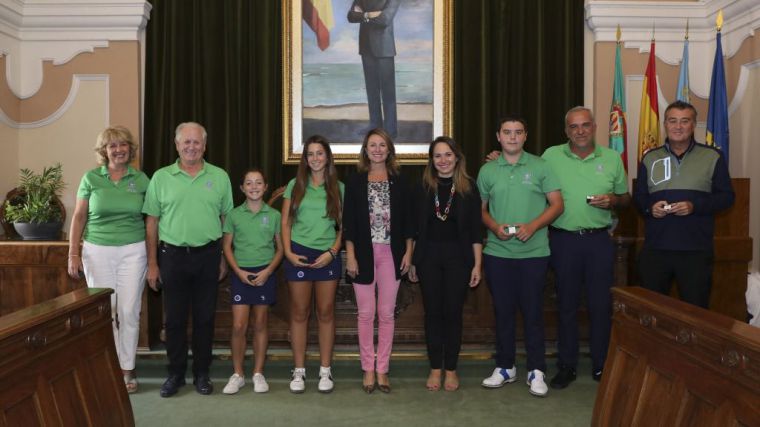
(680, 187)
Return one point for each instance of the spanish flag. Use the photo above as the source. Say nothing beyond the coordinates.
(318, 15)
(649, 115)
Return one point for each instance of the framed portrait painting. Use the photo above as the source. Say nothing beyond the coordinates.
(350, 66)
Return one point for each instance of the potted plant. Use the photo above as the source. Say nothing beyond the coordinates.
(35, 210)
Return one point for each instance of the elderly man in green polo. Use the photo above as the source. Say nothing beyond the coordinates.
(185, 206)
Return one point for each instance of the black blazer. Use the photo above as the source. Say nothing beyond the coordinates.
(469, 223)
(356, 223)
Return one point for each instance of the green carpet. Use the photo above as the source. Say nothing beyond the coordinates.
(409, 403)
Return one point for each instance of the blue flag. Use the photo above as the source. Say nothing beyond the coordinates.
(682, 93)
(717, 110)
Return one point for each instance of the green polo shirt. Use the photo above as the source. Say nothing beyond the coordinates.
(312, 227)
(253, 234)
(189, 208)
(601, 172)
(114, 216)
(516, 193)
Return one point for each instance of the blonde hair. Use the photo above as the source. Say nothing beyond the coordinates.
(391, 163)
(109, 135)
(460, 178)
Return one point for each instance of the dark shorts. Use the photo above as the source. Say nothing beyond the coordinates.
(331, 271)
(243, 293)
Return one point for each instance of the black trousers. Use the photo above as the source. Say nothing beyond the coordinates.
(445, 280)
(692, 271)
(189, 282)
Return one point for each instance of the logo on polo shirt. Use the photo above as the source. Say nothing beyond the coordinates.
(265, 221)
(209, 184)
(132, 187)
(600, 168)
(526, 178)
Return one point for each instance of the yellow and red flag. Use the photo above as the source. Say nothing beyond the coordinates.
(318, 15)
(649, 115)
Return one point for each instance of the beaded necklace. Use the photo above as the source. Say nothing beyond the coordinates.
(448, 204)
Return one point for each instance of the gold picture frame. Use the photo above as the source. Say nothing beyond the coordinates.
(424, 104)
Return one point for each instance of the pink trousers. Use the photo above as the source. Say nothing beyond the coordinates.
(387, 288)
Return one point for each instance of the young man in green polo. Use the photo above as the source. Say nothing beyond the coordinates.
(520, 197)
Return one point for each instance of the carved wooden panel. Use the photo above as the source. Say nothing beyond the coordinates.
(674, 364)
(60, 359)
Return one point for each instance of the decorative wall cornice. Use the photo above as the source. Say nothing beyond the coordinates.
(57, 30)
(637, 19)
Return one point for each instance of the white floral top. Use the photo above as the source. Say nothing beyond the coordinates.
(379, 198)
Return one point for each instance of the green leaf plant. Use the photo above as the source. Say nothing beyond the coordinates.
(37, 201)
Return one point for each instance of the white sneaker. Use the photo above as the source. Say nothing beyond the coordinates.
(499, 377)
(260, 383)
(297, 383)
(234, 384)
(536, 382)
(325, 380)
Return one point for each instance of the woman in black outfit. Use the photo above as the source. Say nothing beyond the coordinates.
(447, 255)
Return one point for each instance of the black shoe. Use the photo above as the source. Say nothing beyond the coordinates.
(171, 385)
(203, 384)
(563, 378)
(597, 375)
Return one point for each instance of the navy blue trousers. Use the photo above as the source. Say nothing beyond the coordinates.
(583, 263)
(380, 82)
(518, 283)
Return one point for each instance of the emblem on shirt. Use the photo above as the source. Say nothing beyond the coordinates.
(132, 187)
(526, 178)
(237, 298)
(300, 274)
(660, 171)
(265, 221)
(600, 168)
(209, 184)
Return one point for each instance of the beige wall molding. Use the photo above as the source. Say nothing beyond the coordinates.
(32, 31)
(76, 79)
(741, 87)
(636, 18)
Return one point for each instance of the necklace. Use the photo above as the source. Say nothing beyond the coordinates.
(448, 204)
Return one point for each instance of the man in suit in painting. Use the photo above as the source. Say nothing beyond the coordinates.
(377, 48)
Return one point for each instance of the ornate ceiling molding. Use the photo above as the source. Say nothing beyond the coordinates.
(637, 19)
(32, 31)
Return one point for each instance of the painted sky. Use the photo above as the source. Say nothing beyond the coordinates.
(413, 28)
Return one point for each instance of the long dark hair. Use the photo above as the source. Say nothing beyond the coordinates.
(460, 178)
(331, 180)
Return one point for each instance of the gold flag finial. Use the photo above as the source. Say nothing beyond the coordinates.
(686, 37)
(719, 20)
(618, 34)
(653, 31)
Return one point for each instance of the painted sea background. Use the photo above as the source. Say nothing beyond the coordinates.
(334, 96)
(343, 84)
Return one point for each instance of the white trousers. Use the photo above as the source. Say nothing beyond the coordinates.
(121, 268)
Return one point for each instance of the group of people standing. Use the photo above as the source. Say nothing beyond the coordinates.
(553, 210)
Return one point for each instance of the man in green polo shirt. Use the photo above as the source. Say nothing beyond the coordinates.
(593, 182)
(520, 197)
(185, 206)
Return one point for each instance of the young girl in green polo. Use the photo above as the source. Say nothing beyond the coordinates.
(253, 230)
